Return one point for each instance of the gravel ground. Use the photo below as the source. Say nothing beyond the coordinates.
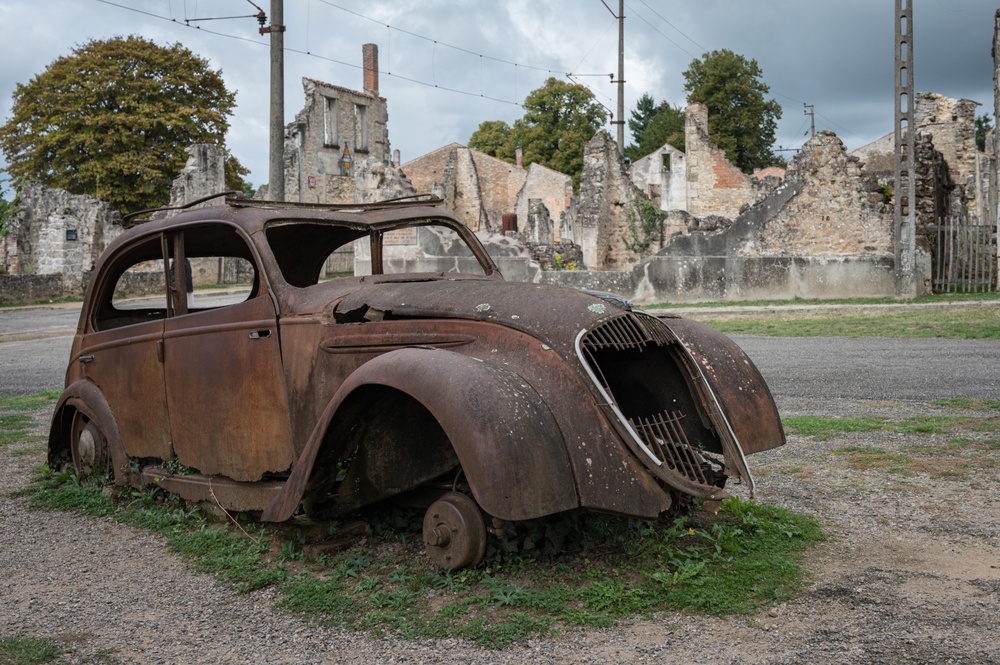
(910, 574)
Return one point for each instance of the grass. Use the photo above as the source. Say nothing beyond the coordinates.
(28, 650)
(958, 458)
(824, 429)
(29, 402)
(943, 322)
(973, 323)
(968, 404)
(933, 298)
(15, 427)
(543, 578)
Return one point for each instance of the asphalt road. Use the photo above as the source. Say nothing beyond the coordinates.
(35, 342)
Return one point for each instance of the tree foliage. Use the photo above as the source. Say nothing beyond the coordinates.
(113, 119)
(740, 120)
(559, 119)
(983, 126)
(653, 125)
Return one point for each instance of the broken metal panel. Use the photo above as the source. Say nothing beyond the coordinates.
(226, 392)
(124, 363)
(219, 490)
(740, 389)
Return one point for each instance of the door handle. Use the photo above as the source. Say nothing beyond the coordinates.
(86, 359)
(258, 334)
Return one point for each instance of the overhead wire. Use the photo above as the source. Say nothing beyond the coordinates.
(184, 23)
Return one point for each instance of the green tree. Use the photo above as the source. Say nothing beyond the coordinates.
(983, 126)
(113, 119)
(559, 119)
(740, 120)
(652, 125)
(493, 138)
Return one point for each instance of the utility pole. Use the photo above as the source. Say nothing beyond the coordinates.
(621, 76)
(276, 161)
(810, 110)
(904, 227)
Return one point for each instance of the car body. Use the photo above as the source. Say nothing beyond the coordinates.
(430, 376)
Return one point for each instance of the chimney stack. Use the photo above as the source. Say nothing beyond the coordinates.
(369, 53)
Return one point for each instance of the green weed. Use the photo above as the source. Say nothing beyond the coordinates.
(28, 650)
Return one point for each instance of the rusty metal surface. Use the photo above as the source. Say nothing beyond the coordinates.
(741, 390)
(229, 494)
(225, 388)
(336, 395)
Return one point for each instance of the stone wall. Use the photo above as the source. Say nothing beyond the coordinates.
(29, 289)
(204, 174)
(607, 223)
(55, 232)
(662, 176)
(553, 191)
(714, 185)
(831, 214)
(951, 124)
(479, 189)
(334, 126)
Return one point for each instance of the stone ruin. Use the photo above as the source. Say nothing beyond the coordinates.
(672, 226)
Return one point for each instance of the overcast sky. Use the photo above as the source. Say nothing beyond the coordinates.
(448, 65)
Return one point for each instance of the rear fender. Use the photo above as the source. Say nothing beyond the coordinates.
(505, 437)
(87, 398)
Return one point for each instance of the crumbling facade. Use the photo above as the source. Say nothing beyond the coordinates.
(337, 134)
(58, 234)
(480, 190)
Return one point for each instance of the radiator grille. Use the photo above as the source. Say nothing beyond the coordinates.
(660, 439)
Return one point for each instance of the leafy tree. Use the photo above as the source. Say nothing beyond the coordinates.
(740, 120)
(652, 125)
(493, 138)
(983, 126)
(559, 119)
(113, 120)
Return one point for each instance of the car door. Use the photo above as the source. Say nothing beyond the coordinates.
(225, 388)
(121, 351)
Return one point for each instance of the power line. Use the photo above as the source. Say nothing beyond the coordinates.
(184, 23)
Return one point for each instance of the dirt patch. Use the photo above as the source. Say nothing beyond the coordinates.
(910, 573)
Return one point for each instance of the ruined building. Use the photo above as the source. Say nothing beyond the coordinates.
(337, 149)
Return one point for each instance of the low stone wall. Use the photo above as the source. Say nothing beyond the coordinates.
(694, 279)
(29, 289)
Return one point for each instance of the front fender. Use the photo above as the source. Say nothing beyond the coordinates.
(504, 435)
(735, 380)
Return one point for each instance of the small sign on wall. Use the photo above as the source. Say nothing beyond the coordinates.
(71, 234)
(312, 182)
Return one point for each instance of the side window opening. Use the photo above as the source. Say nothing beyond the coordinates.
(135, 291)
(218, 269)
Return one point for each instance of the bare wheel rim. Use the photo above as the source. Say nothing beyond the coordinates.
(89, 448)
(454, 532)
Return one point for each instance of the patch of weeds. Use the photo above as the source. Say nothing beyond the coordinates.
(28, 650)
(968, 404)
(62, 490)
(824, 429)
(577, 569)
(14, 429)
(31, 402)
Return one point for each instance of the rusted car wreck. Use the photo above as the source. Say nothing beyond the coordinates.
(484, 398)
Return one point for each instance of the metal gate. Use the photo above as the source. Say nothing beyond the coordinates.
(964, 256)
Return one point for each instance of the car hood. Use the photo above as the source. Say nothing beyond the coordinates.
(554, 315)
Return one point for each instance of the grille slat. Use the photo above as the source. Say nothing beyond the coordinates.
(661, 433)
